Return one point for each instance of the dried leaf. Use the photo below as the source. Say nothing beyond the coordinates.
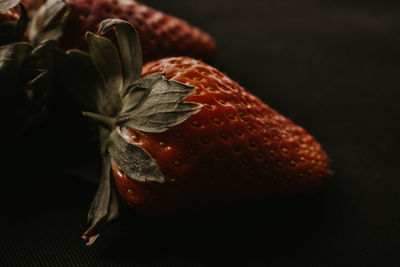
(25, 76)
(129, 48)
(133, 160)
(136, 94)
(158, 109)
(78, 75)
(104, 207)
(48, 23)
(105, 59)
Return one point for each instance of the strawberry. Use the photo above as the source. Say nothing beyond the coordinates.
(179, 136)
(161, 35)
(235, 142)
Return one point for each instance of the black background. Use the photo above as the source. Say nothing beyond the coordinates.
(331, 66)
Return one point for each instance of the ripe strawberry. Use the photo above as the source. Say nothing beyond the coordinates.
(184, 137)
(235, 142)
(161, 35)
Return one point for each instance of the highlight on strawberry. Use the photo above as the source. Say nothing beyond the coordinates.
(178, 136)
(161, 34)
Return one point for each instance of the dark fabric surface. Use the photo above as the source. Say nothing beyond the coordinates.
(331, 66)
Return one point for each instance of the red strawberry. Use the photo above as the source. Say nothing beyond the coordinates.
(185, 137)
(161, 35)
(234, 142)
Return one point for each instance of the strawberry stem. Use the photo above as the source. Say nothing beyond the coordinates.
(106, 122)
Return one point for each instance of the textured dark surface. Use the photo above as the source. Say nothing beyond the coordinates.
(331, 66)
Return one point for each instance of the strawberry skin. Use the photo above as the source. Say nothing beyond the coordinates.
(235, 149)
(161, 35)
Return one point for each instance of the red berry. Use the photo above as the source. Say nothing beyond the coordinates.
(235, 149)
(179, 136)
(161, 35)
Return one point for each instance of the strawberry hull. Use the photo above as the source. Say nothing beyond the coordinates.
(235, 150)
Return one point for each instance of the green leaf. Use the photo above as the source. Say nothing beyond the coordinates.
(104, 207)
(106, 60)
(133, 160)
(8, 4)
(48, 22)
(129, 47)
(157, 104)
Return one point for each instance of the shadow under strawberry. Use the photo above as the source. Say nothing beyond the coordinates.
(247, 232)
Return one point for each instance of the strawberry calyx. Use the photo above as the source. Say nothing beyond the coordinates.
(119, 98)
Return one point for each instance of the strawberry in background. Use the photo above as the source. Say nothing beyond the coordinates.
(161, 35)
